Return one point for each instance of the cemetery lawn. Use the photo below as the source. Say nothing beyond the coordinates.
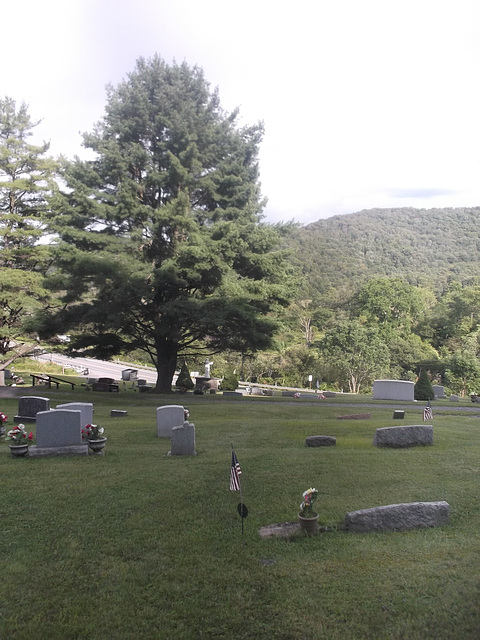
(137, 545)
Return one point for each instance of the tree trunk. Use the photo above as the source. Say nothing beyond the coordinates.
(167, 351)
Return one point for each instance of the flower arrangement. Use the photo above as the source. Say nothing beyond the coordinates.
(92, 432)
(18, 435)
(306, 508)
(3, 417)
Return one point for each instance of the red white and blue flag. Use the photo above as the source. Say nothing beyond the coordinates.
(427, 413)
(235, 473)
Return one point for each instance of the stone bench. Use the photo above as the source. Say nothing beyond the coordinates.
(404, 436)
(399, 517)
(320, 441)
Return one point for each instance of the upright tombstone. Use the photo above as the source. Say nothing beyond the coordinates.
(183, 440)
(393, 390)
(85, 408)
(168, 417)
(439, 390)
(59, 432)
(29, 406)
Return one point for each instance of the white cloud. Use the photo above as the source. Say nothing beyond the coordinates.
(363, 102)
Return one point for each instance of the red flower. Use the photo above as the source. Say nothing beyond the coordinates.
(30, 435)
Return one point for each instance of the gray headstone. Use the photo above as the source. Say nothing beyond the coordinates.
(398, 414)
(399, 517)
(183, 440)
(118, 413)
(439, 390)
(85, 408)
(404, 436)
(169, 416)
(454, 398)
(393, 390)
(59, 432)
(320, 441)
(29, 406)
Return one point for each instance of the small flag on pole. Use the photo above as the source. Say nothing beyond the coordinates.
(235, 472)
(427, 413)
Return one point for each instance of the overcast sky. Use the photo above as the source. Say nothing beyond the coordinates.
(371, 103)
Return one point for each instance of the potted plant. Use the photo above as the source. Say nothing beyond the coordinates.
(307, 517)
(20, 440)
(93, 434)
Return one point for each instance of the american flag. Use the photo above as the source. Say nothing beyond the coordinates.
(235, 472)
(427, 413)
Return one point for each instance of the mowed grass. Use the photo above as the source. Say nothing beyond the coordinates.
(139, 545)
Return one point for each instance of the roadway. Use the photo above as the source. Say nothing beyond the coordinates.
(98, 368)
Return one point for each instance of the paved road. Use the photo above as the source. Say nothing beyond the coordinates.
(98, 368)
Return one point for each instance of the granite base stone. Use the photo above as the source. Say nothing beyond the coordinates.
(320, 441)
(404, 436)
(49, 452)
(399, 517)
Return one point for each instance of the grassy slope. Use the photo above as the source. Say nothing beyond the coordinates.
(139, 545)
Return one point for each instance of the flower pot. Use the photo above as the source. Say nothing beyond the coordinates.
(18, 449)
(309, 525)
(97, 444)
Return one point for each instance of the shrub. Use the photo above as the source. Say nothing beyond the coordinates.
(230, 381)
(184, 380)
(423, 389)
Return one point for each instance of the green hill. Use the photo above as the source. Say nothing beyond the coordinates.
(427, 247)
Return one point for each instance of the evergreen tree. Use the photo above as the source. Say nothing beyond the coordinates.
(423, 389)
(184, 381)
(162, 245)
(26, 179)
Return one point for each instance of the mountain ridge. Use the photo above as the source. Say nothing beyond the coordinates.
(427, 247)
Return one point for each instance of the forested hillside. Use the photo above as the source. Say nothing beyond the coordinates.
(426, 247)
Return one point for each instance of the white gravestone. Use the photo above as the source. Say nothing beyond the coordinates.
(393, 390)
(85, 408)
(168, 417)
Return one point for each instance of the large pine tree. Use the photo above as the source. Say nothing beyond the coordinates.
(162, 244)
(26, 180)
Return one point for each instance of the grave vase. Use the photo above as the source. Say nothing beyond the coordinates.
(18, 449)
(96, 444)
(309, 525)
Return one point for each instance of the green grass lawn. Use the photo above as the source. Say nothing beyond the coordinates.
(138, 545)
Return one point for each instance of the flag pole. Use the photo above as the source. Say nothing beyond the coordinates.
(241, 506)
